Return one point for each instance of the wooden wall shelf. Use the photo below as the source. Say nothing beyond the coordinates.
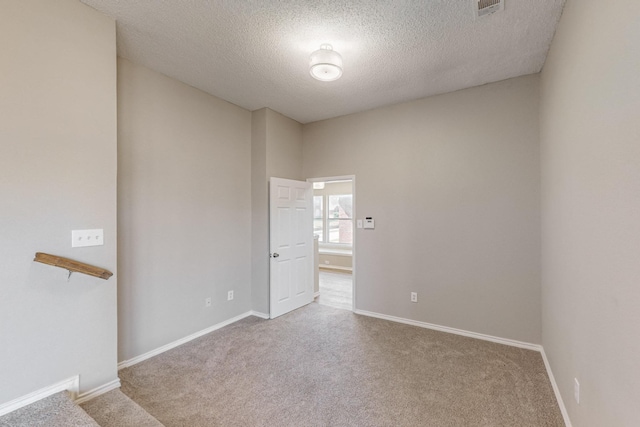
(72, 266)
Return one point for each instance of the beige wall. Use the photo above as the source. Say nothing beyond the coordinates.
(284, 147)
(57, 174)
(276, 151)
(259, 213)
(184, 209)
(329, 261)
(590, 133)
(452, 182)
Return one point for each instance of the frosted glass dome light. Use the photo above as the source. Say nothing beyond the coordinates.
(325, 64)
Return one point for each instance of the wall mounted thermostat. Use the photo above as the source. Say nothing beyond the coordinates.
(368, 222)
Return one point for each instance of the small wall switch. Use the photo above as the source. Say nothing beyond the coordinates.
(81, 238)
(359, 223)
(229, 295)
(576, 390)
(369, 223)
(207, 302)
(414, 297)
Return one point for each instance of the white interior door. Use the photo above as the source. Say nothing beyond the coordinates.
(291, 245)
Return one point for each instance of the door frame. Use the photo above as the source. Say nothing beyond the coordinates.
(352, 178)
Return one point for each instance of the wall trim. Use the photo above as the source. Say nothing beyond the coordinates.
(334, 267)
(86, 396)
(556, 389)
(72, 385)
(174, 344)
(259, 314)
(335, 252)
(505, 341)
(316, 295)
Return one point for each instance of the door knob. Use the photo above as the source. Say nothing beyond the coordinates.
(276, 255)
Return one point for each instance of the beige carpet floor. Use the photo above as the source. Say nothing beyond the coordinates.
(57, 410)
(320, 366)
(115, 409)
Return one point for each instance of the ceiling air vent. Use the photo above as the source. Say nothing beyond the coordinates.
(482, 8)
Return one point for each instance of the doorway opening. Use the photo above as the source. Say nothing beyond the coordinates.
(334, 241)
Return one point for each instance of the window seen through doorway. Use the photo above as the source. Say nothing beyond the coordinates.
(332, 218)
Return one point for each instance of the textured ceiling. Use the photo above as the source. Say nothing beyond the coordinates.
(255, 53)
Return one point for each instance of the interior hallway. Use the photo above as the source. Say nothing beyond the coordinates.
(336, 289)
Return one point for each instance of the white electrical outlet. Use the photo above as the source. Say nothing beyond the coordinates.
(414, 297)
(81, 238)
(229, 295)
(576, 390)
(207, 302)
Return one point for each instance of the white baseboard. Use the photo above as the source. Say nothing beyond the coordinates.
(159, 350)
(259, 314)
(111, 385)
(505, 341)
(72, 385)
(316, 295)
(556, 390)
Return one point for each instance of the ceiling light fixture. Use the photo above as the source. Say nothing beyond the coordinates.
(325, 64)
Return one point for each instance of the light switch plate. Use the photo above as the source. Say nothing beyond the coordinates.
(81, 238)
(359, 223)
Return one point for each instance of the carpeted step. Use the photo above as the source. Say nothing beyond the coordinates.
(115, 409)
(57, 410)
